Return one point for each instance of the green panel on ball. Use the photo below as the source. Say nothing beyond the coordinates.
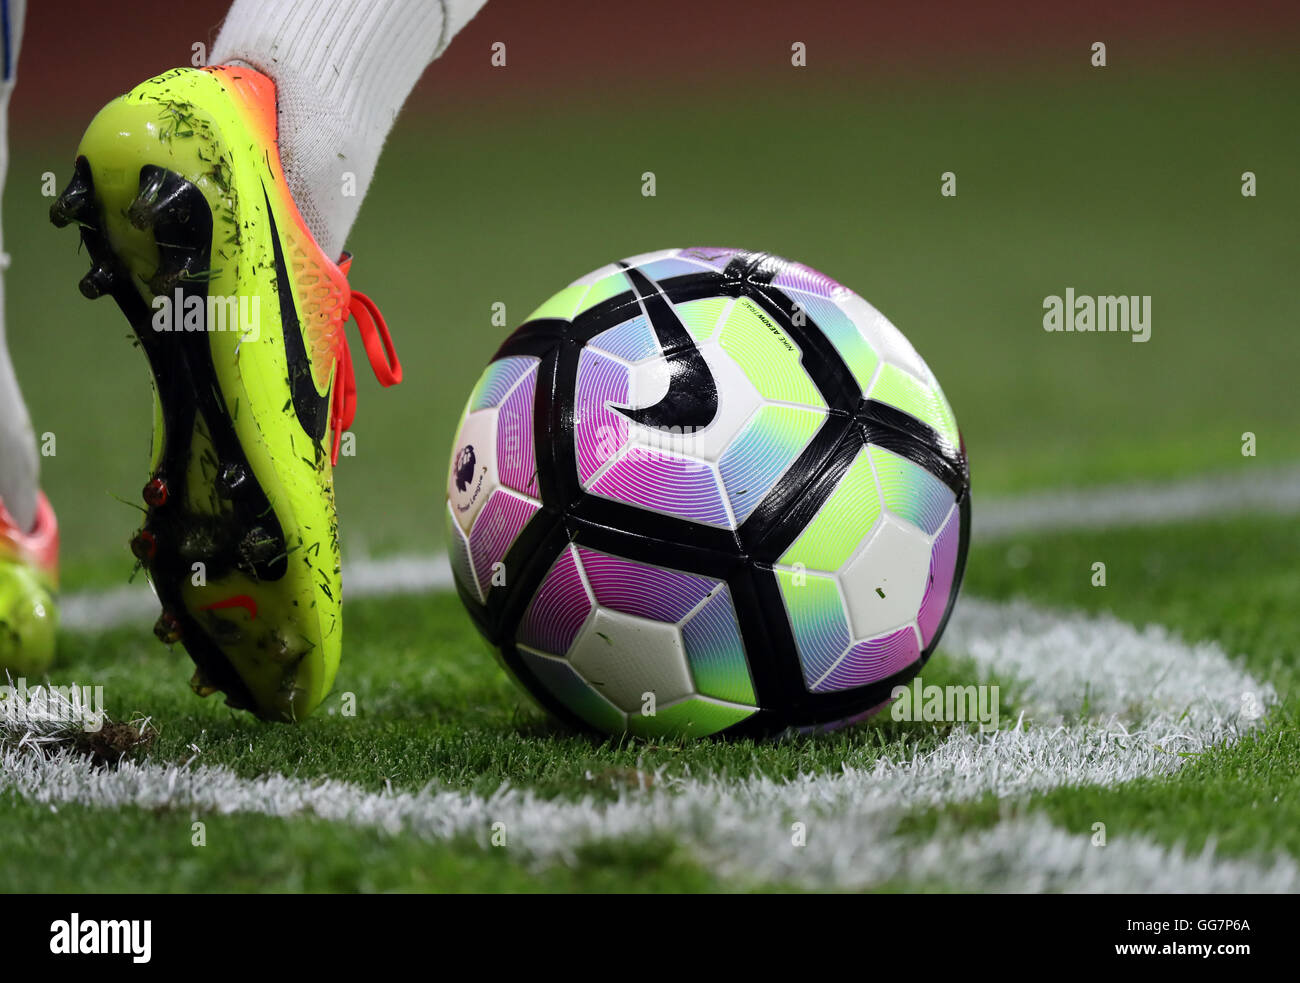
(768, 355)
(562, 304)
(602, 290)
(700, 317)
(818, 620)
(692, 717)
(841, 524)
(898, 388)
(716, 651)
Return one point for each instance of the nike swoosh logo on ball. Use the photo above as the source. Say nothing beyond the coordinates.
(691, 402)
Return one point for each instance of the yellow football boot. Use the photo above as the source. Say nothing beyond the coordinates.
(191, 228)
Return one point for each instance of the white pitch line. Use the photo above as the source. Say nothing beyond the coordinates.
(742, 832)
(1062, 659)
(1255, 489)
(93, 611)
(1152, 699)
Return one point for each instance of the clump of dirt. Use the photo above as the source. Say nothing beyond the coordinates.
(107, 746)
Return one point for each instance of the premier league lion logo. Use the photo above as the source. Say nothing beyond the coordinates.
(465, 462)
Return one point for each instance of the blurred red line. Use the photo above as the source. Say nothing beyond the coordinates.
(76, 54)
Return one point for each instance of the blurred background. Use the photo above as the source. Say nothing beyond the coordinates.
(503, 184)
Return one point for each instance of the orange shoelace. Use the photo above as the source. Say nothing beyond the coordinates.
(380, 351)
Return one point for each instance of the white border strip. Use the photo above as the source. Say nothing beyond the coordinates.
(95, 611)
(1274, 492)
(1256, 489)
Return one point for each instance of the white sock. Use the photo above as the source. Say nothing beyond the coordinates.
(19, 463)
(342, 69)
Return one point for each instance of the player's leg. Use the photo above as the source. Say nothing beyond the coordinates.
(342, 71)
(29, 540)
(217, 198)
(18, 458)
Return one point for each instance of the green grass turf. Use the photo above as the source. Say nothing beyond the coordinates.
(1106, 181)
(1245, 799)
(434, 709)
(1233, 582)
(83, 850)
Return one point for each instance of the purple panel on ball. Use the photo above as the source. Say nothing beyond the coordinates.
(494, 529)
(799, 277)
(637, 588)
(558, 609)
(663, 269)
(631, 341)
(516, 461)
(599, 433)
(872, 660)
(943, 565)
(679, 486)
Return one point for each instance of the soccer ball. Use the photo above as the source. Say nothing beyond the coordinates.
(708, 490)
